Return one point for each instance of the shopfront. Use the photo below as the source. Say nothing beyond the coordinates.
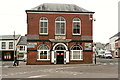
(8, 55)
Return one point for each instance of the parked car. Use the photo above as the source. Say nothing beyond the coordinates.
(101, 53)
(108, 55)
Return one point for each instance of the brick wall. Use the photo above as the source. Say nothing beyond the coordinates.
(32, 55)
(34, 21)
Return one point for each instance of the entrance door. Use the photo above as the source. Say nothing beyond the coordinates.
(60, 57)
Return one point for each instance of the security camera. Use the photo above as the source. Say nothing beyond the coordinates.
(92, 19)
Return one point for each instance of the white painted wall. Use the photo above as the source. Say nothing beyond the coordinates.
(112, 43)
(22, 51)
(7, 44)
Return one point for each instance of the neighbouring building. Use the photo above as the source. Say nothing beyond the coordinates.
(99, 47)
(112, 42)
(107, 47)
(7, 46)
(22, 48)
(117, 48)
(59, 34)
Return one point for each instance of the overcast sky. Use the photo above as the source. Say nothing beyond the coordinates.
(13, 16)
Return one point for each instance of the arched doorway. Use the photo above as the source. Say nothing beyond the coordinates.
(60, 54)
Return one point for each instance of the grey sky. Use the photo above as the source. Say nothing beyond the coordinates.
(13, 16)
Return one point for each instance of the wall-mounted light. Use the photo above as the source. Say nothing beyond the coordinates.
(91, 18)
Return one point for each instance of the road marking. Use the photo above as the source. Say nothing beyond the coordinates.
(74, 74)
(111, 64)
(104, 64)
(5, 66)
(36, 76)
(116, 63)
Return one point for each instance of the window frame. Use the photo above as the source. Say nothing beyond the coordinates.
(2, 45)
(23, 48)
(43, 26)
(48, 57)
(10, 45)
(39, 50)
(72, 52)
(80, 51)
(60, 25)
(73, 26)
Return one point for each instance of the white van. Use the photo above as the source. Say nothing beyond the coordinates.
(101, 53)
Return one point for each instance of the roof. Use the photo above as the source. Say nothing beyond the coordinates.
(117, 39)
(23, 40)
(52, 7)
(9, 37)
(106, 44)
(118, 34)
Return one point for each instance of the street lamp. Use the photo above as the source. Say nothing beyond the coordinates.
(15, 56)
(18, 55)
(95, 52)
(14, 51)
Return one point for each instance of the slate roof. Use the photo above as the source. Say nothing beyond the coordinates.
(23, 40)
(9, 37)
(58, 7)
(118, 34)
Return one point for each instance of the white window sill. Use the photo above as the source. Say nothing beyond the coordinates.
(43, 34)
(59, 34)
(76, 59)
(43, 59)
(76, 34)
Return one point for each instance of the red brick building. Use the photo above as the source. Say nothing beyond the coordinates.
(59, 34)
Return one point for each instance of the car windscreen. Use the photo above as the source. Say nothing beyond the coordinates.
(107, 53)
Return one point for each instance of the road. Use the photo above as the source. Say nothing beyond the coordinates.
(105, 68)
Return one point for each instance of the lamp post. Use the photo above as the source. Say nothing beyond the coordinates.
(95, 52)
(14, 51)
(17, 55)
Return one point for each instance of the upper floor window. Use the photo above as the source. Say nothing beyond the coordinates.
(60, 26)
(10, 45)
(76, 26)
(22, 48)
(3, 45)
(43, 25)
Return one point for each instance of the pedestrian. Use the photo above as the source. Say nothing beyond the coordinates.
(16, 63)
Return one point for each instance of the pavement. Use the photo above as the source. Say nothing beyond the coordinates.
(105, 68)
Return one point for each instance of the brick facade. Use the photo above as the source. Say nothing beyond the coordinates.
(33, 34)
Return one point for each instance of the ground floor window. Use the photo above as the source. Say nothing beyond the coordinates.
(43, 52)
(44, 55)
(76, 52)
(7, 55)
(76, 55)
(20, 55)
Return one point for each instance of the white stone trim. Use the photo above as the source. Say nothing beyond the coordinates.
(59, 13)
